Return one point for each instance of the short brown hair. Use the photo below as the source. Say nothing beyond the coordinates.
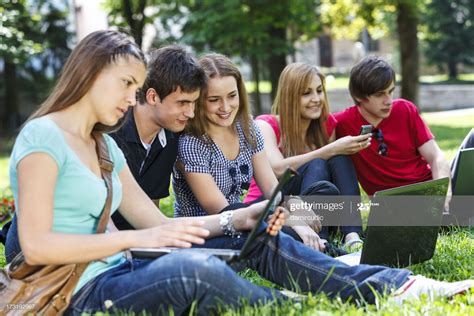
(169, 68)
(370, 75)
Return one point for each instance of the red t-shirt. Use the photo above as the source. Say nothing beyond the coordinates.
(404, 131)
(254, 191)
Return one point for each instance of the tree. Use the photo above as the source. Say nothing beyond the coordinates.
(407, 28)
(450, 29)
(351, 16)
(15, 49)
(129, 14)
(231, 28)
(260, 31)
(29, 57)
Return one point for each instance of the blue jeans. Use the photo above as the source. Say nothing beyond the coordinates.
(294, 266)
(177, 280)
(316, 178)
(172, 282)
(12, 244)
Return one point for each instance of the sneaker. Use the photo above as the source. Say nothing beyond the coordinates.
(333, 251)
(353, 243)
(418, 285)
(294, 296)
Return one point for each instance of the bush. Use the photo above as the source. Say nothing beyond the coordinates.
(7, 206)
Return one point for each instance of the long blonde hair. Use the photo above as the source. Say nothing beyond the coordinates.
(293, 82)
(94, 53)
(217, 65)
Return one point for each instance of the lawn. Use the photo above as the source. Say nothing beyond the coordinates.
(454, 258)
(342, 82)
(3, 172)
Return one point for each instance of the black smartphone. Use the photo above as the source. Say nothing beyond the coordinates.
(366, 129)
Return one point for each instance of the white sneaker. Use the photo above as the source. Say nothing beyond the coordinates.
(294, 296)
(418, 285)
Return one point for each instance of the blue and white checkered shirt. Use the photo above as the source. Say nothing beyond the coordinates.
(202, 155)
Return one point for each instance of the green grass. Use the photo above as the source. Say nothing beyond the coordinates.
(449, 129)
(444, 79)
(453, 260)
(342, 82)
(3, 173)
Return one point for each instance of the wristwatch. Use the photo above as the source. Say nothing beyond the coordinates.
(227, 225)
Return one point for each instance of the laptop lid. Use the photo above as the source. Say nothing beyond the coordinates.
(275, 200)
(464, 176)
(403, 224)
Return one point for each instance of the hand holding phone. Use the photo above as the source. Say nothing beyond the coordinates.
(365, 129)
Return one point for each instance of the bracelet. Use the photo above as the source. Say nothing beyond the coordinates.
(227, 225)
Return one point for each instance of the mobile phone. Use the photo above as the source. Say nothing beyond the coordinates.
(365, 129)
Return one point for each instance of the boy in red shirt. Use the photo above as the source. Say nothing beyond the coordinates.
(403, 149)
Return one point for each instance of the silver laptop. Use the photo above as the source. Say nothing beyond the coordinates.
(228, 255)
(403, 228)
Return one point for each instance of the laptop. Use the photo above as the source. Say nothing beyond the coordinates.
(402, 230)
(461, 211)
(228, 255)
(465, 173)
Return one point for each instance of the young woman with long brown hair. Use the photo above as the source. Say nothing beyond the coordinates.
(301, 133)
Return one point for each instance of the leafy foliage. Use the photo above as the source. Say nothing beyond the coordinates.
(450, 29)
(16, 30)
(243, 27)
(31, 59)
(7, 206)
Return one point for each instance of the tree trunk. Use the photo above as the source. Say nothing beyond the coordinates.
(12, 113)
(407, 24)
(136, 20)
(277, 60)
(452, 69)
(256, 78)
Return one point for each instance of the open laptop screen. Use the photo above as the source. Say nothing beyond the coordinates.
(272, 203)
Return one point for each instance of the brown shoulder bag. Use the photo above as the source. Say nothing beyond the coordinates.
(47, 290)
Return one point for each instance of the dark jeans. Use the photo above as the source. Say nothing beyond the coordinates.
(335, 176)
(12, 244)
(177, 280)
(339, 171)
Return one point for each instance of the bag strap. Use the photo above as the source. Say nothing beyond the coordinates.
(106, 167)
(60, 301)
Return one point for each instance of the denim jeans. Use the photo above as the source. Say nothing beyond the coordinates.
(177, 280)
(334, 176)
(172, 282)
(12, 244)
(294, 266)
